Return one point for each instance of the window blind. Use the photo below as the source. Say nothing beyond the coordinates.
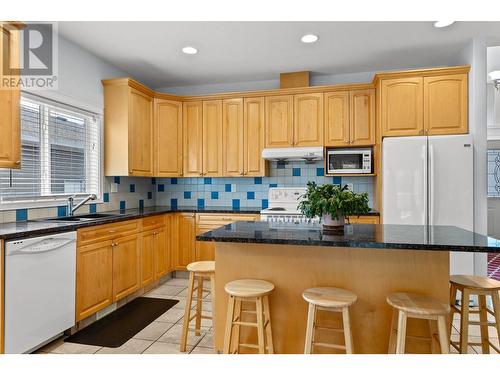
(60, 153)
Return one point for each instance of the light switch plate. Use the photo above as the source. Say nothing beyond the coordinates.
(113, 188)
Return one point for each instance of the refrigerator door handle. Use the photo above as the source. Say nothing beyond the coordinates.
(431, 185)
(424, 181)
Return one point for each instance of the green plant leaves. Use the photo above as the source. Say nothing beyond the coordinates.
(333, 200)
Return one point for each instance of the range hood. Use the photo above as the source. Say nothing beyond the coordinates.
(308, 154)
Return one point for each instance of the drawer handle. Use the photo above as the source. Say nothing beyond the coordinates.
(112, 231)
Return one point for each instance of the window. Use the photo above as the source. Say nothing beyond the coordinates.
(60, 154)
(494, 173)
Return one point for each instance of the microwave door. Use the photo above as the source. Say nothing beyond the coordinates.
(346, 162)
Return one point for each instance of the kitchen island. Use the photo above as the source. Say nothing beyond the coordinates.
(370, 260)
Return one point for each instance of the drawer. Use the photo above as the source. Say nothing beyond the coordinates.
(364, 219)
(152, 222)
(107, 231)
(224, 218)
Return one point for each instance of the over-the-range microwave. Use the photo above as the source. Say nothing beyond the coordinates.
(349, 160)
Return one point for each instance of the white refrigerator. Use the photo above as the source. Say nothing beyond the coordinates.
(429, 181)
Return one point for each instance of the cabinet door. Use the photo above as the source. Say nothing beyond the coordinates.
(147, 257)
(232, 137)
(445, 104)
(279, 121)
(212, 138)
(402, 106)
(337, 118)
(308, 120)
(168, 138)
(185, 244)
(254, 137)
(94, 278)
(126, 266)
(362, 117)
(140, 134)
(205, 250)
(192, 119)
(10, 126)
(160, 253)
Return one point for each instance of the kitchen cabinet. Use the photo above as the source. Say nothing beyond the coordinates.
(10, 123)
(192, 119)
(233, 137)
(337, 122)
(128, 129)
(254, 137)
(162, 252)
(167, 138)
(126, 266)
(94, 278)
(308, 120)
(147, 257)
(445, 104)
(184, 243)
(362, 117)
(212, 138)
(279, 121)
(205, 250)
(364, 219)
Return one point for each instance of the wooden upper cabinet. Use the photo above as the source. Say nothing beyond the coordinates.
(362, 117)
(232, 137)
(10, 125)
(445, 104)
(336, 118)
(168, 138)
(308, 120)
(140, 134)
(212, 138)
(126, 266)
(192, 119)
(254, 131)
(279, 121)
(401, 106)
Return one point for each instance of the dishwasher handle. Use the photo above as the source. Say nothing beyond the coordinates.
(44, 246)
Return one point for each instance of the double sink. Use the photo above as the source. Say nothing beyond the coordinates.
(78, 218)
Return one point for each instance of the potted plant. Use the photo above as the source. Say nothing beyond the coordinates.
(332, 204)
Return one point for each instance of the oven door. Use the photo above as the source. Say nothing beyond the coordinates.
(345, 162)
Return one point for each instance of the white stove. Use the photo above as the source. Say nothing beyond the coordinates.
(283, 206)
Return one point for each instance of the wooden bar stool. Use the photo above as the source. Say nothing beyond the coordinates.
(328, 299)
(408, 305)
(248, 290)
(481, 287)
(199, 271)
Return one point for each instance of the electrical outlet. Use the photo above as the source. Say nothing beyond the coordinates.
(113, 188)
(233, 188)
(350, 187)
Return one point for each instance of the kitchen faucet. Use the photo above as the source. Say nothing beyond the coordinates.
(72, 208)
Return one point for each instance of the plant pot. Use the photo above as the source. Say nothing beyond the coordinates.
(331, 224)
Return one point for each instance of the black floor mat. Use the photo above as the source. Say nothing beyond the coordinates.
(122, 324)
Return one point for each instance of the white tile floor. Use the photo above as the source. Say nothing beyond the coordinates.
(162, 336)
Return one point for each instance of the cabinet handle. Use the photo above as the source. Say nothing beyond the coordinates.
(155, 233)
(18, 162)
(346, 140)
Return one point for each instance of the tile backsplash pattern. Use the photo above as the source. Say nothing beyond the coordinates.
(133, 192)
(240, 192)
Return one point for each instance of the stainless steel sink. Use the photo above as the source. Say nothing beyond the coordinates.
(78, 218)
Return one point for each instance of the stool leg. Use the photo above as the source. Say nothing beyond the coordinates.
(311, 318)
(260, 326)
(269, 331)
(401, 335)
(433, 332)
(483, 318)
(453, 302)
(236, 339)
(229, 325)
(394, 331)
(464, 321)
(187, 312)
(212, 290)
(199, 305)
(347, 330)
(443, 335)
(496, 309)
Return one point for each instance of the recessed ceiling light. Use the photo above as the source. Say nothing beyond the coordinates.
(190, 50)
(309, 38)
(440, 24)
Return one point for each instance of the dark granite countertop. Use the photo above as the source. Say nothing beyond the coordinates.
(411, 237)
(30, 228)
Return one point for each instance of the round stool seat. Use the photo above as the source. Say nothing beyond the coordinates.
(417, 304)
(475, 282)
(201, 267)
(249, 288)
(329, 297)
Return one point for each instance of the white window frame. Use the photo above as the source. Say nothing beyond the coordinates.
(60, 199)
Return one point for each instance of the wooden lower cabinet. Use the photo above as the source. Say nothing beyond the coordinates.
(94, 278)
(126, 266)
(184, 239)
(364, 219)
(205, 250)
(147, 257)
(162, 251)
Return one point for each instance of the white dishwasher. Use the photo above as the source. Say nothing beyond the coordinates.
(40, 280)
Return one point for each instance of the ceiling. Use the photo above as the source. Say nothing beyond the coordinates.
(252, 51)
